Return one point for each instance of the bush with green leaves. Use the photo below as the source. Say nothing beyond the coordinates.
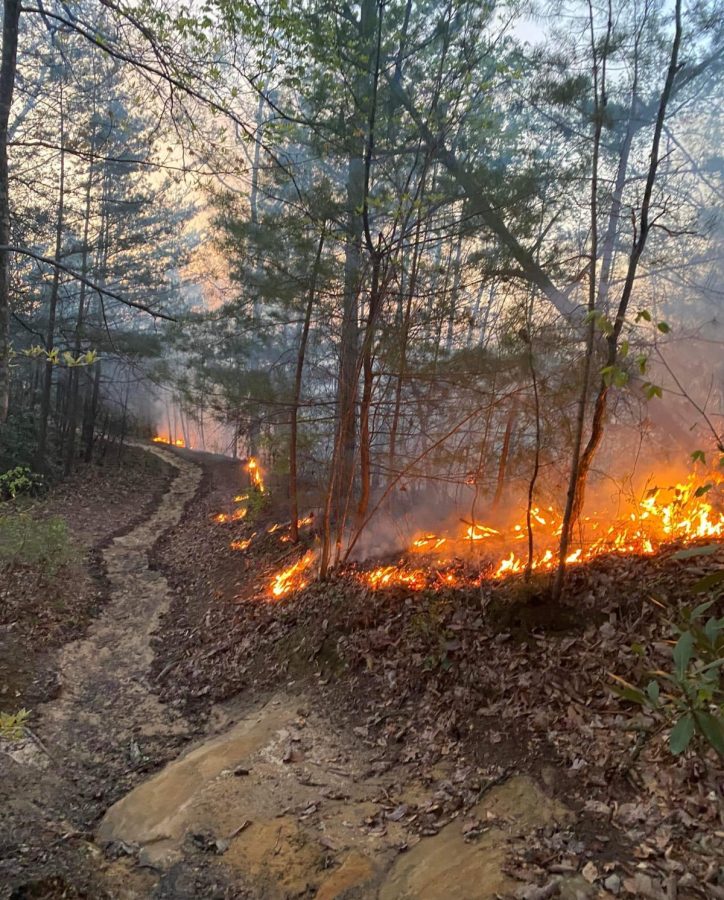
(18, 440)
(689, 699)
(42, 543)
(20, 480)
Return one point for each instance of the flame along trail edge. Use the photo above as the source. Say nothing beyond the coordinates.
(680, 514)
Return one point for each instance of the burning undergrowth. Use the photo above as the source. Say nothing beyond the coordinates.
(467, 552)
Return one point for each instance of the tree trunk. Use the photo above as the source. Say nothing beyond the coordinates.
(504, 453)
(577, 487)
(90, 420)
(53, 303)
(375, 305)
(293, 493)
(8, 62)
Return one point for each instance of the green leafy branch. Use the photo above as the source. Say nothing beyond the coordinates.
(690, 697)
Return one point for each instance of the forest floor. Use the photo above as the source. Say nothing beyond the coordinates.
(201, 741)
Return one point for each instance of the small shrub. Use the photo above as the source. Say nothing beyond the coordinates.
(12, 725)
(17, 440)
(20, 480)
(256, 502)
(42, 543)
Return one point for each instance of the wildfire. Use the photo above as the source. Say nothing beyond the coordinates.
(159, 439)
(293, 578)
(678, 514)
(477, 532)
(235, 516)
(428, 543)
(402, 576)
(242, 544)
(257, 481)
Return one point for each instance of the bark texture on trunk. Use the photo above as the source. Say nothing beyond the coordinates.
(8, 64)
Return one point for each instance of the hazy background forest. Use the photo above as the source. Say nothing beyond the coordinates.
(424, 261)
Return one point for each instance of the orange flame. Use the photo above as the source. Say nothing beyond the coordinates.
(257, 481)
(679, 514)
(235, 516)
(478, 532)
(292, 579)
(159, 439)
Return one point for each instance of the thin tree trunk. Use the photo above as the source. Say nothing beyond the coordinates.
(416, 253)
(367, 385)
(644, 227)
(599, 94)
(293, 491)
(53, 302)
(8, 63)
(504, 453)
(74, 386)
(90, 424)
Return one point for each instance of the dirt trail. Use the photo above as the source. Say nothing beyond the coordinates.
(106, 725)
(292, 807)
(105, 696)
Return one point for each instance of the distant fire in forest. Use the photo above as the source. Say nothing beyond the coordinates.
(163, 439)
(680, 514)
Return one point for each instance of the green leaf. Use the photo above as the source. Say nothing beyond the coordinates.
(703, 489)
(712, 729)
(663, 327)
(652, 690)
(683, 652)
(643, 314)
(706, 550)
(627, 691)
(699, 610)
(711, 631)
(709, 581)
(698, 456)
(681, 734)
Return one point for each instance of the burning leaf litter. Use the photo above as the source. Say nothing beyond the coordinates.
(293, 578)
(162, 439)
(680, 514)
(235, 516)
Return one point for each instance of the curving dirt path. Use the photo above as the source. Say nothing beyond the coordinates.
(105, 728)
(105, 697)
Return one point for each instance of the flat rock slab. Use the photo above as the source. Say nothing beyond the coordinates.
(158, 813)
(446, 867)
(283, 798)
